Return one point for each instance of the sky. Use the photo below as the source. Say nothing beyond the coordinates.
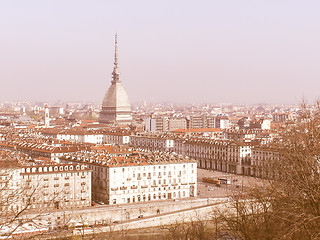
(182, 51)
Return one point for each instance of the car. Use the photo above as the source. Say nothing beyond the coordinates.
(140, 216)
(102, 203)
(116, 221)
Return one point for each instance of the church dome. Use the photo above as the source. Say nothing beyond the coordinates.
(116, 97)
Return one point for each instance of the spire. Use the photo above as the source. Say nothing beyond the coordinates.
(116, 73)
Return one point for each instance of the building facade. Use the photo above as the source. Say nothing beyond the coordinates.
(29, 183)
(134, 176)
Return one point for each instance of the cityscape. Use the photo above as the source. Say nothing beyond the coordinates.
(159, 167)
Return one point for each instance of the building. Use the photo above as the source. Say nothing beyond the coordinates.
(117, 137)
(222, 122)
(157, 124)
(46, 116)
(61, 186)
(81, 136)
(221, 155)
(259, 165)
(153, 142)
(41, 183)
(138, 176)
(116, 106)
(177, 123)
(280, 117)
(203, 132)
(34, 149)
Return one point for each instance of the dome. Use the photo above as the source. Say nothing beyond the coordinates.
(116, 97)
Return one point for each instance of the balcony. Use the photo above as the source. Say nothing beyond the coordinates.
(83, 176)
(114, 189)
(139, 178)
(56, 185)
(154, 185)
(144, 186)
(67, 184)
(83, 183)
(56, 178)
(134, 187)
(83, 191)
(67, 178)
(123, 188)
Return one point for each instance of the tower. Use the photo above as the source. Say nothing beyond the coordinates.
(46, 116)
(116, 105)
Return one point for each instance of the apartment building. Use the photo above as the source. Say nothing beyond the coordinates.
(81, 136)
(138, 176)
(41, 183)
(153, 141)
(259, 165)
(52, 151)
(221, 155)
(117, 137)
(59, 186)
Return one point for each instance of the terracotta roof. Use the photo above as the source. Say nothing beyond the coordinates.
(196, 130)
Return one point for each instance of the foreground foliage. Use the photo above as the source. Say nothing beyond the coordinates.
(289, 208)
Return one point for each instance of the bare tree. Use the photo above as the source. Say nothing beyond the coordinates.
(19, 201)
(289, 208)
(15, 200)
(189, 229)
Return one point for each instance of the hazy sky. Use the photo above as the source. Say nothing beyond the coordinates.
(235, 51)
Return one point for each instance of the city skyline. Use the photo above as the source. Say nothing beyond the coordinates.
(181, 52)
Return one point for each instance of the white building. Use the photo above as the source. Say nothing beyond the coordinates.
(117, 137)
(135, 176)
(42, 184)
(81, 136)
(58, 186)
